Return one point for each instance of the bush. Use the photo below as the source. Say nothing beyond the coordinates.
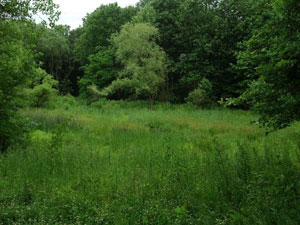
(201, 96)
(120, 89)
(95, 94)
(43, 91)
(66, 102)
(99, 73)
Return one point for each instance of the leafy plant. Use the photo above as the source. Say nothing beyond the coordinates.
(16, 68)
(43, 91)
(201, 96)
(144, 61)
(271, 60)
(99, 73)
(17, 62)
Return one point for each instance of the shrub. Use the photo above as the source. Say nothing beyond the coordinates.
(66, 102)
(43, 91)
(95, 94)
(99, 73)
(201, 96)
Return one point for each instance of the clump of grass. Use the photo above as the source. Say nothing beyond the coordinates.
(47, 120)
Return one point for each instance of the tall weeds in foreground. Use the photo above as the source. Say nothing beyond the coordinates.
(133, 166)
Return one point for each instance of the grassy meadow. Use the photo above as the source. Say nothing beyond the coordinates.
(121, 163)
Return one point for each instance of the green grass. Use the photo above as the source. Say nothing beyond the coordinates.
(120, 163)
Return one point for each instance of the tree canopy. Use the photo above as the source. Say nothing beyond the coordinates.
(271, 60)
(144, 61)
(17, 60)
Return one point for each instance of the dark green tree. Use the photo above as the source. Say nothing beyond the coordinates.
(16, 67)
(271, 59)
(56, 54)
(98, 27)
(77, 72)
(211, 31)
(17, 62)
(167, 15)
(101, 71)
(201, 38)
(146, 15)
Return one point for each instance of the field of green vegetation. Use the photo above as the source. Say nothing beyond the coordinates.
(121, 163)
(80, 145)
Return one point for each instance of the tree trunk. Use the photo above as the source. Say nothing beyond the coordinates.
(151, 103)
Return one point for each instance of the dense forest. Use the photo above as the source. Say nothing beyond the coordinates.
(199, 55)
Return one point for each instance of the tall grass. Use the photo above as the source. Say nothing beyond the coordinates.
(120, 163)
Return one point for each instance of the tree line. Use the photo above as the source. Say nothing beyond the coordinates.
(238, 53)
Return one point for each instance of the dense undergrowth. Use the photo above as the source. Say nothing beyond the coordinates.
(121, 163)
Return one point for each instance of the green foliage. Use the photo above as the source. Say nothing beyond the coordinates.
(16, 67)
(98, 27)
(201, 96)
(201, 39)
(210, 32)
(26, 9)
(142, 3)
(94, 93)
(43, 91)
(17, 63)
(66, 101)
(93, 48)
(56, 54)
(101, 71)
(120, 89)
(271, 60)
(144, 61)
(167, 15)
(146, 15)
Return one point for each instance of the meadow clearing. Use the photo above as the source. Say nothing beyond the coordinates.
(121, 163)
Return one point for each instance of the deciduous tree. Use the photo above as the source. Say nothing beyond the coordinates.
(17, 63)
(271, 59)
(144, 61)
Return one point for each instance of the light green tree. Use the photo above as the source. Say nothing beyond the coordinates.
(143, 60)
